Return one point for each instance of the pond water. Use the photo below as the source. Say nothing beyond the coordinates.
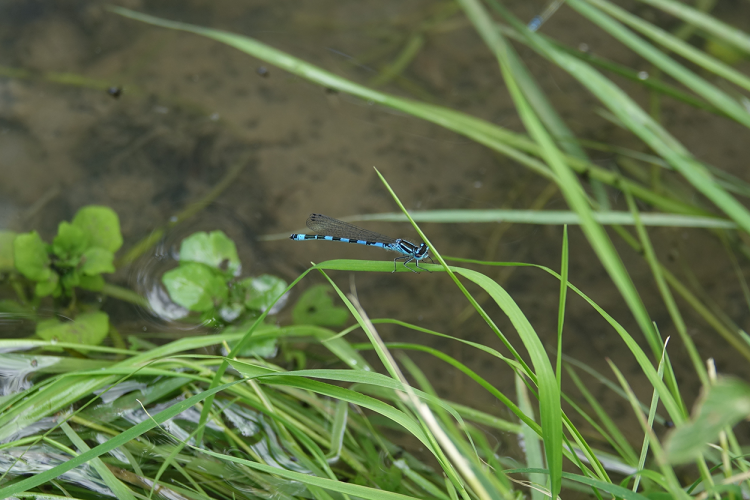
(189, 110)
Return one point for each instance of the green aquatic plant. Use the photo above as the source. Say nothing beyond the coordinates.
(81, 252)
(206, 281)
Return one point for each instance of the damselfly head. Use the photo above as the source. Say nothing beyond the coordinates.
(421, 252)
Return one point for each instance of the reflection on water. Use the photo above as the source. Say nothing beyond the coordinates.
(15, 370)
(145, 273)
(41, 458)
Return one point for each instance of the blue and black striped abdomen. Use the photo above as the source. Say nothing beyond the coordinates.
(303, 237)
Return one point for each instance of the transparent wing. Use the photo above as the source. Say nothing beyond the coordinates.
(327, 226)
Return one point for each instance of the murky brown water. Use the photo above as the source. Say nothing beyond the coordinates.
(192, 108)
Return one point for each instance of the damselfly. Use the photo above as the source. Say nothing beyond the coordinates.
(336, 230)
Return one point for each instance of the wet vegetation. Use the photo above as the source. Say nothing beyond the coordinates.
(250, 406)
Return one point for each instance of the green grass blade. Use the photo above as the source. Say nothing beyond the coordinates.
(613, 489)
(640, 123)
(650, 421)
(532, 444)
(552, 217)
(549, 394)
(700, 86)
(548, 217)
(571, 189)
(51, 398)
(329, 484)
(116, 441)
(613, 433)
(685, 50)
(561, 305)
(338, 429)
(673, 484)
(237, 348)
(673, 408)
(474, 376)
(114, 484)
(705, 22)
(674, 312)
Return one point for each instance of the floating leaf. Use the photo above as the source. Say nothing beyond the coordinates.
(96, 261)
(262, 348)
(70, 280)
(88, 329)
(6, 250)
(101, 225)
(214, 249)
(315, 307)
(195, 286)
(70, 241)
(49, 286)
(230, 312)
(93, 283)
(262, 291)
(30, 255)
(727, 402)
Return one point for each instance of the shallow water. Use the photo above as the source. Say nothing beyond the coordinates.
(191, 109)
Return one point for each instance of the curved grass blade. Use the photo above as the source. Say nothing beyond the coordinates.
(700, 86)
(705, 22)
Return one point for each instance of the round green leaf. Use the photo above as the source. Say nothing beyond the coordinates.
(30, 255)
(88, 328)
(214, 249)
(262, 291)
(70, 279)
(70, 241)
(49, 286)
(262, 348)
(315, 307)
(195, 286)
(101, 225)
(93, 283)
(97, 260)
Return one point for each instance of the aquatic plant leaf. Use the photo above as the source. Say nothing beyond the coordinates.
(101, 225)
(70, 279)
(70, 241)
(88, 329)
(262, 291)
(49, 286)
(94, 283)
(6, 250)
(195, 286)
(315, 307)
(726, 403)
(30, 255)
(214, 249)
(97, 260)
(230, 312)
(262, 348)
